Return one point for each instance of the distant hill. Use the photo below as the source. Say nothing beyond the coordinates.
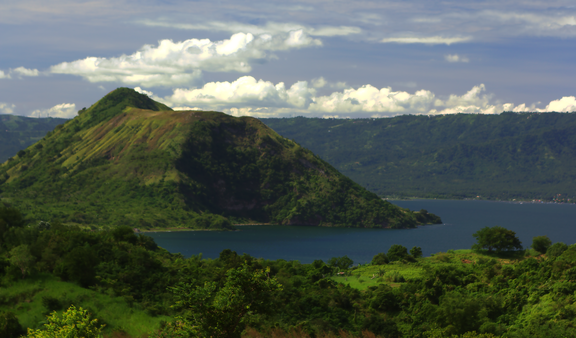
(18, 132)
(506, 156)
(128, 160)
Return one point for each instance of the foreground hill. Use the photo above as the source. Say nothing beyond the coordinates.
(18, 132)
(506, 156)
(130, 160)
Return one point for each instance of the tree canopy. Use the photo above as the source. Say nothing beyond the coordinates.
(496, 238)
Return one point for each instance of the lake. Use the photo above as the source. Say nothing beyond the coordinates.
(306, 244)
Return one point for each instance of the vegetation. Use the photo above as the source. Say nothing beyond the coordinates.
(507, 156)
(18, 133)
(497, 238)
(119, 283)
(128, 160)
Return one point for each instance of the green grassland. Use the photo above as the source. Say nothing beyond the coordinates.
(28, 298)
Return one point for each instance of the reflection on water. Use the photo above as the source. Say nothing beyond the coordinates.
(461, 220)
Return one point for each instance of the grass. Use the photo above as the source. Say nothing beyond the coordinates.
(24, 299)
(368, 275)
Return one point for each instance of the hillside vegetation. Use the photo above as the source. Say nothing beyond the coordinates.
(506, 156)
(138, 289)
(128, 160)
(18, 132)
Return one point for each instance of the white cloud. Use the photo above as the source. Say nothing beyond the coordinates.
(268, 28)
(181, 63)
(248, 96)
(21, 71)
(430, 40)
(456, 58)
(63, 110)
(6, 108)
(564, 105)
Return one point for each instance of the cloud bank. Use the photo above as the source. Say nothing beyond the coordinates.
(6, 108)
(63, 110)
(252, 97)
(181, 63)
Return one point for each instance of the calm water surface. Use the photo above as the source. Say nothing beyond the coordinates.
(461, 220)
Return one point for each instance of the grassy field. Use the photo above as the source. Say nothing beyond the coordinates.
(395, 273)
(26, 299)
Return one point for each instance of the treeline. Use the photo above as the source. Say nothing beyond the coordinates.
(506, 156)
(234, 295)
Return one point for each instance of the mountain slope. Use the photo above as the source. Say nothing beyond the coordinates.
(506, 156)
(19, 132)
(130, 160)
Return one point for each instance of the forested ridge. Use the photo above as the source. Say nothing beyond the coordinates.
(86, 279)
(19, 132)
(128, 160)
(506, 156)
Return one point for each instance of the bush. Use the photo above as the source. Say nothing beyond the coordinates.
(9, 326)
(556, 250)
(380, 259)
(416, 252)
(541, 243)
(397, 252)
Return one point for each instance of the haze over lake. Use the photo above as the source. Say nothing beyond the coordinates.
(461, 220)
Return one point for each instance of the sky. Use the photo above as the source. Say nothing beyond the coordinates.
(344, 59)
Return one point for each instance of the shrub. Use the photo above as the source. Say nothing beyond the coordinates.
(541, 243)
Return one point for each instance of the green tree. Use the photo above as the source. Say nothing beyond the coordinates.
(225, 311)
(21, 257)
(74, 323)
(343, 262)
(416, 252)
(541, 243)
(380, 259)
(9, 326)
(397, 252)
(498, 238)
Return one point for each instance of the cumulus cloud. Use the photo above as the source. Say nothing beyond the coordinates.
(430, 40)
(6, 108)
(181, 63)
(19, 72)
(249, 96)
(63, 110)
(269, 28)
(456, 58)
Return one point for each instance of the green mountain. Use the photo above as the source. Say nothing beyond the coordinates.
(18, 132)
(506, 156)
(128, 160)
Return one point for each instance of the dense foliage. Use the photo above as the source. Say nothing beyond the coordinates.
(506, 156)
(124, 162)
(447, 294)
(18, 132)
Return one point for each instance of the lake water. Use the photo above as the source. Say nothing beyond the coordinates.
(461, 220)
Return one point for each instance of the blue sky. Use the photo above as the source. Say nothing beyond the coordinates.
(274, 59)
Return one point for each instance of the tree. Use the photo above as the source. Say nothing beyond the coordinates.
(498, 238)
(380, 259)
(340, 262)
(21, 257)
(9, 326)
(397, 252)
(416, 252)
(541, 243)
(74, 323)
(225, 311)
